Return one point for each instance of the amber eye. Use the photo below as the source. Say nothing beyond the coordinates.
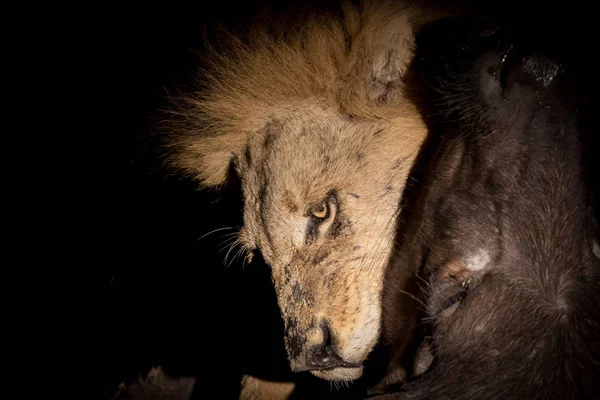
(321, 211)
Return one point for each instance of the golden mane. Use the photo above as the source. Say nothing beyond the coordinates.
(351, 61)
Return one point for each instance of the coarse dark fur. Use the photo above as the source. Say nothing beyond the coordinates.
(500, 236)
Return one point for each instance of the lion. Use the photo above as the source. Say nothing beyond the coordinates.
(311, 115)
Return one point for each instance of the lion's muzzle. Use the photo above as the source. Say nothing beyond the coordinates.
(317, 354)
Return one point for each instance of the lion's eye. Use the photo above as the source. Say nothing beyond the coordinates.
(321, 211)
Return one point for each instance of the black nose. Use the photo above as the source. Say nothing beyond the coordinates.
(322, 356)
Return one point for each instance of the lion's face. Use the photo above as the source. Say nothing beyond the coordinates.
(316, 121)
(321, 196)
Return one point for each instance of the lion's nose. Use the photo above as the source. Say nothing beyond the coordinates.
(322, 356)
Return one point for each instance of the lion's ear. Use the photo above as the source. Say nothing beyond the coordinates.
(391, 51)
(381, 51)
(386, 75)
(386, 43)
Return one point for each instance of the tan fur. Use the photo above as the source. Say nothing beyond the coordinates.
(258, 389)
(314, 111)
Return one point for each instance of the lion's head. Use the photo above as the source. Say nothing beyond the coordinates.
(318, 129)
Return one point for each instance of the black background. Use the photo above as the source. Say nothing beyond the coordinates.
(170, 300)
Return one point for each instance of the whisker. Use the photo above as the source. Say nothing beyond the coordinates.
(215, 230)
(236, 243)
(425, 281)
(240, 251)
(412, 296)
(226, 244)
(228, 240)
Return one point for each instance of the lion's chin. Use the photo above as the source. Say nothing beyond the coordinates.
(340, 374)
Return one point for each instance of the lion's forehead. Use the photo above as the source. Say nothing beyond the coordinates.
(307, 173)
(316, 143)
